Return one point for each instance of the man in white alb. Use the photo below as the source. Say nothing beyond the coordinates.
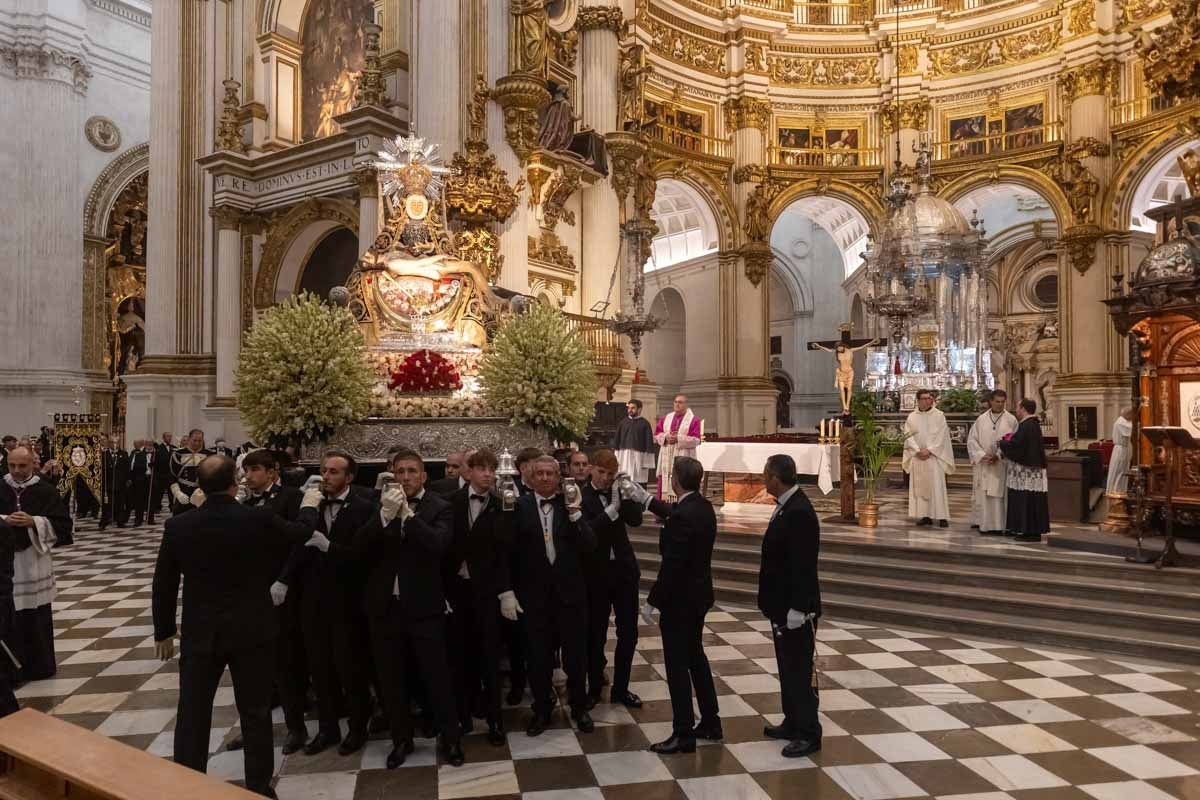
(989, 495)
(1118, 464)
(928, 459)
(677, 434)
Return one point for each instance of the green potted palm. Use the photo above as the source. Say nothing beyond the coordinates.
(875, 449)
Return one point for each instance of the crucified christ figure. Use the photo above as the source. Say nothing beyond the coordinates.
(843, 378)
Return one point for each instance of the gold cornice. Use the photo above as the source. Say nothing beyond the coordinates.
(989, 31)
(227, 218)
(1092, 380)
(694, 52)
(986, 54)
(593, 18)
(251, 111)
(742, 383)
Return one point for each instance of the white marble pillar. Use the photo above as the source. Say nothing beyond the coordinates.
(514, 233)
(437, 96)
(228, 297)
(368, 208)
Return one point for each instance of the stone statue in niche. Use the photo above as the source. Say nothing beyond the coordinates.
(557, 126)
(528, 37)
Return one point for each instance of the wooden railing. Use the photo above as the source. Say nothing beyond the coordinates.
(825, 157)
(1139, 108)
(686, 139)
(998, 142)
(854, 12)
(602, 343)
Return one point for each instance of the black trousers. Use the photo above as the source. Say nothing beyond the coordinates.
(473, 644)
(291, 668)
(390, 639)
(8, 670)
(794, 652)
(199, 674)
(116, 509)
(159, 492)
(32, 642)
(613, 590)
(547, 622)
(338, 650)
(687, 666)
(139, 499)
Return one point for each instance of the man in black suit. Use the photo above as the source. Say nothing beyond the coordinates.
(160, 466)
(114, 501)
(332, 615)
(612, 577)
(550, 538)
(141, 479)
(229, 555)
(683, 594)
(789, 595)
(513, 631)
(476, 576)
(456, 467)
(403, 544)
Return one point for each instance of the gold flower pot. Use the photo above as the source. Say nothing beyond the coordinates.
(868, 515)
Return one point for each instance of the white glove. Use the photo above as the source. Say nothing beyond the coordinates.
(613, 511)
(509, 607)
(313, 480)
(278, 593)
(242, 495)
(384, 477)
(796, 619)
(637, 493)
(319, 541)
(648, 614)
(312, 497)
(393, 504)
(198, 497)
(178, 494)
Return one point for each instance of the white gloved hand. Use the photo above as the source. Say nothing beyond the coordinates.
(198, 497)
(393, 504)
(796, 619)
(178, 494)
(509, 607)
(613, 511)
(242, 495)
(312, 497)
(384, 477)
(637, 493)
(319, 541)
(278, 593)
(648, 614)
(313, 480)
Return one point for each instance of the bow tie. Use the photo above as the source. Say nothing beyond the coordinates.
(332, 501)
(547, 503)
(480, 497)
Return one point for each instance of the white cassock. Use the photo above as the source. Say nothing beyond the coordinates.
(927, 478)
(1118, 464)
(990, 495)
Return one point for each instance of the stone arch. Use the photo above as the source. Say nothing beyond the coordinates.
(1022, 176)
(291, 236)
(798, 291)
(714, 194)
(119, 173)
(666, 348)
(844, 222)
(281, 16)
(861, 200)
(1125, 187)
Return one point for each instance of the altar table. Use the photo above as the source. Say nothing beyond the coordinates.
(821, 460)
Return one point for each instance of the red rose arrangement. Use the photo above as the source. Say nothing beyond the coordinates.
(425, 372)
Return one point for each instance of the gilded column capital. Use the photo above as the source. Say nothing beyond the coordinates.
(1094, 78)
(42, 61)
(368, 182)
(592, 18)
(747, 112)
(906, 115)
(228, 218)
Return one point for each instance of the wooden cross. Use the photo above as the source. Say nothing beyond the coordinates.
(845, 339)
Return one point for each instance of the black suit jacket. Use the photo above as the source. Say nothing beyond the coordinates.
(444, 487)
(285, 502)
(230, 556)
(333, 582)
(405, 555)
(787, 576)
(686, 543)
(162, 462)
(486, 548)
(612, 536)
(534, 570)
(137, 468)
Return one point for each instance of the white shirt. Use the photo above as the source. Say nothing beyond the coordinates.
(547, 515)
(783, 499)
(475, 507)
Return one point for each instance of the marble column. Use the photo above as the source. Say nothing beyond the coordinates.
(228, 297)
(438, 99)
(368, 208)
(598, 23)
(514, 233)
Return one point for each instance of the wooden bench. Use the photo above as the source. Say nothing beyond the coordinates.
(44, 758)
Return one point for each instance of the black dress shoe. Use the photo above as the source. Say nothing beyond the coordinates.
(943, 523)
(294, 742)
(708, 731)
(495, 735)
(452, 753)
(992, 533)
(590, 701)
(925, 521)
(676, 744)
(466, 726)
(236, 743)
(801, 747)
(777, 732)
(628, 699)
(584, 720)
(513, 698)
(538, 725)
(269, 792)
(1028, 537)
(974, 527)
(399, 753)
(320, 742)
(353, 742)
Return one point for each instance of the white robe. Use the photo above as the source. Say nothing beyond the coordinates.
(927, 478)
(1118, 464)
(989, 496)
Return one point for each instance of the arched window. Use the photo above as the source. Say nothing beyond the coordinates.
(686, 226)
(1164, 184)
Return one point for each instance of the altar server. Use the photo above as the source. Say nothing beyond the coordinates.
(635, 443)
(33, 505)
(677, 434)
(1028, 503)
(990, 495)
(1122, 453)
(928, 459)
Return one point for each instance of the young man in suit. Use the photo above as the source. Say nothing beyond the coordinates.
(683, 594)
(789, 595)
(403, 544)
(160, 467)
(513, 631)
(612, 577)
(456, 478)
(229, 555)
(141, 480)
(549, 541)
(479, 588)
(336, 641)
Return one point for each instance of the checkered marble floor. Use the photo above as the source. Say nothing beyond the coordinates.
(906, 714)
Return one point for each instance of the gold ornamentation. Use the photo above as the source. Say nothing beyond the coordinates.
(757, 225)
(1189, 165)
(1171, 54)
(757, 257)
(1094, 78)
(906, 59)
(283, 227)
(227, 217)
(528, 39)
(481, 246)
(102, 133)
(247, 280)
(522, 97)
(1081, 17)
(686, 49)
(624, 151)
(747, 112)
(551, 187)
(564, 47)
(756, 58)
(631, 115)
(750, 173)
(549, 249)
(1079, 242)
(799, 71)
(912, 115)
(1077, 182)
(963, 58)
(645, 187)
(371, 90)
(592, 18)
(1138, 10)
(1030, 44)
(229, 131)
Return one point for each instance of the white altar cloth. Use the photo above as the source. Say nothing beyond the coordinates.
(749, 457)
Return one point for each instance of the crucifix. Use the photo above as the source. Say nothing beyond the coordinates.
(843, 350)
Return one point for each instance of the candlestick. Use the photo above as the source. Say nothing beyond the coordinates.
(822, 429)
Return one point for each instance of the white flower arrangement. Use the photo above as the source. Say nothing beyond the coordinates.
(303, 372)
(385, 403)
(539, 373)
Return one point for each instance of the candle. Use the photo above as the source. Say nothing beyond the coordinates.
(822, 429)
